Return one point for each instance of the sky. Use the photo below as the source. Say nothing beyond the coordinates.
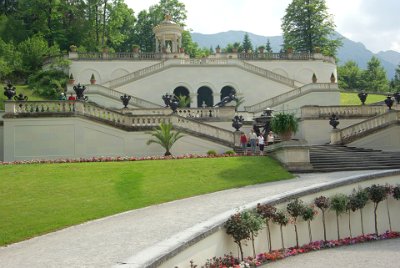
(375, 23)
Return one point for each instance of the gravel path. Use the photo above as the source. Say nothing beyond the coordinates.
(109, 241)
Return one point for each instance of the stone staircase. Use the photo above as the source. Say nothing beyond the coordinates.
(329, 158)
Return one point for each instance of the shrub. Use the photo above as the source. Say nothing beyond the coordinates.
(376, 194)
(48, 83)
(267, 212)
(211, 153)
(295, 209)
(230, 152)
(339, 205)
(323, 204)
(236, 227)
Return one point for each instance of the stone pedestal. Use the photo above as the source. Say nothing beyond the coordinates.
(336, 137)
(294, 155)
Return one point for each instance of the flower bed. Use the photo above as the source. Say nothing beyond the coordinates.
(229, 261)
(114, 159)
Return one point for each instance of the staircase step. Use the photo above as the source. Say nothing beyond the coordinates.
(328, 158)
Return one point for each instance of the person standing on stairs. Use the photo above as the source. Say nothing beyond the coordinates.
(253, 141)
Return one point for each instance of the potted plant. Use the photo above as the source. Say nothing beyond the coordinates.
(314, 78)
(92, 80)
(333, 78)
(284, 125)
(218, 49)
(135, 48)
(71, 80)
(73, 48)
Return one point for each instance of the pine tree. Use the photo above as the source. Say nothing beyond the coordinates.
(247, 45)
(307, 25)
(395, 82)
(268, 47)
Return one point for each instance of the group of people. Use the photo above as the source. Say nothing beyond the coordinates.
(256, 140)
(63, 97)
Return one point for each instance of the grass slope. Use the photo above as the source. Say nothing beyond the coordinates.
(40, 198)
(348, 98)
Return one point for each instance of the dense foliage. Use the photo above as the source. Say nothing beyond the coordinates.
(308, 25)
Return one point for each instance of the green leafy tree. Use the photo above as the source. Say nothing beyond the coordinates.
(33, 51)
(281, 218)
(376, 193)
(307, 24)
(308, 216)
(295, 209)
(254, 223)
(165, 136)
(236, 227)
(357, 201)
(349, 76)
(339, 205)
(48, 83)
(395, 82)
(323, 203)
(267, 212)
(246, 44)
(374, 78)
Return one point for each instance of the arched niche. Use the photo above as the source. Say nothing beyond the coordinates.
(226, 91)
(182, 91)
(205, 94)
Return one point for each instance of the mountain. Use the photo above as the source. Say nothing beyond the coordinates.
(350, 50)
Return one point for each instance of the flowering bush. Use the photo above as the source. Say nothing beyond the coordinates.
(229, 261)
(113, 159)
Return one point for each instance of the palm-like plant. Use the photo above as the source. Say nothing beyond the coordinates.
(165, 137)
(183, 101)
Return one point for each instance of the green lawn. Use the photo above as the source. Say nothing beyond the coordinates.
(41, 198)
(347, 98)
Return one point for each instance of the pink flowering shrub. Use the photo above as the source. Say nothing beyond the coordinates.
(113, 159)
(229, 261)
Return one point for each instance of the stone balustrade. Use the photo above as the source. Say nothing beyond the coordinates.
(352, 132)
(129, 118)
(272, 102)
(324, 112)
(135, 75)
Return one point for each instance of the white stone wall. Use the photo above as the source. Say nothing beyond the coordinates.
(387, 139)
(253, 88)
(318, 131)
(1, 143)
(299, 70)
(219, 243)
(55, 138)
(104, 70)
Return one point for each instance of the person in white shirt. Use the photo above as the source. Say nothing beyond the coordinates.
(253, 141)
(270, 138)
(261, 143)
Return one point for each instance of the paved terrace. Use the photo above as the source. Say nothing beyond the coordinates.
(120, 238)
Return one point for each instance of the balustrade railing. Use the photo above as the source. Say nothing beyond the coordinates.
(118, 56)
(342, 111)
(135, 75)
(350, 133)
(267, 73)
(91, 89)
(123, 119)
(272, 102)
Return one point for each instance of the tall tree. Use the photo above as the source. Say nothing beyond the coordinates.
(395, 82)
(374, 78)
(349, 76)
(268, 47)
(246, 44)
(307, 25)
